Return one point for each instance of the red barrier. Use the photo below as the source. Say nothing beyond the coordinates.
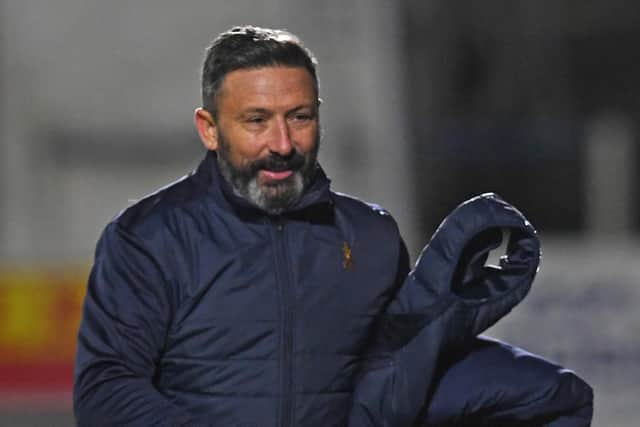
(39, 317)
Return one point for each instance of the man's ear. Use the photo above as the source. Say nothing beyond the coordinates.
(206, 126)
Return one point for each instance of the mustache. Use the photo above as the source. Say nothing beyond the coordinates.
(277, 163)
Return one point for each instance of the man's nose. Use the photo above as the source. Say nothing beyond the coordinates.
(281, 142)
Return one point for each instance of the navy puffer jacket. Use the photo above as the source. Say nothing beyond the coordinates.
(448, 298)
(202, 310)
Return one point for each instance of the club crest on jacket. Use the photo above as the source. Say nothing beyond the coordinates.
(347, 261)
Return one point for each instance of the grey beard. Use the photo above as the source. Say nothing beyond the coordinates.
(274, 198)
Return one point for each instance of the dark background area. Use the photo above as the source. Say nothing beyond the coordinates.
(504, 94)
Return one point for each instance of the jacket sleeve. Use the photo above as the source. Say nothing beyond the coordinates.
(492, 383)
(125, 317)
(446, 300)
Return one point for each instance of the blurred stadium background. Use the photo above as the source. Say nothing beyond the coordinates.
(426, 103)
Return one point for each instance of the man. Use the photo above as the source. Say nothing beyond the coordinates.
(248, 293)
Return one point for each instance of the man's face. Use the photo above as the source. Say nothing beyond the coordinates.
(267, 134)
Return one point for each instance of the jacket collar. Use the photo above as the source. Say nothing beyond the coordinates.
(208, 175)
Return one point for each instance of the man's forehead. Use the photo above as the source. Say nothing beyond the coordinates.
(271, 83)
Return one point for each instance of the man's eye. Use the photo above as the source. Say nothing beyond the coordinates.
(256, 119)
(302, 117)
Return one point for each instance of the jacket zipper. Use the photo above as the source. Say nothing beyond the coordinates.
(283, 276)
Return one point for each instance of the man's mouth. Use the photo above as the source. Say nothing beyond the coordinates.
(275, 168)
(275, 175)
